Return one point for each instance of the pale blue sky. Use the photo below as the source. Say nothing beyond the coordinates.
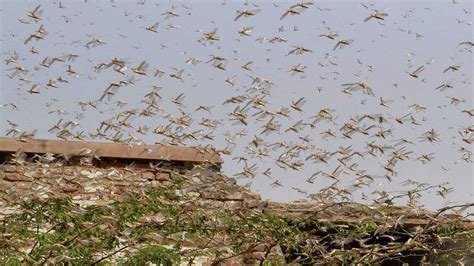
(415, 32)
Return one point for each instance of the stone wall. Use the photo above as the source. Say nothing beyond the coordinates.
(109, 180)
(113, 180)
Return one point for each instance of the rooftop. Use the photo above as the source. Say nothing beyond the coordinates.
(110, 150)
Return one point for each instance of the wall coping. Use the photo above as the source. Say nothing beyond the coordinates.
(110, 150)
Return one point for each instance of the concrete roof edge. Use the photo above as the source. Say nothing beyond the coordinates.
(110, 150)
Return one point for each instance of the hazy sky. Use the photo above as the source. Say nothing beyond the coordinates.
(414, 33)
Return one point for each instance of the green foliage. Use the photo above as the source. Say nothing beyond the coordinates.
(365, 228)
(155, 254)
(166, 228)
(451, 229)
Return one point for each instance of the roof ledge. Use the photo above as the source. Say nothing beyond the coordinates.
(110, 150)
